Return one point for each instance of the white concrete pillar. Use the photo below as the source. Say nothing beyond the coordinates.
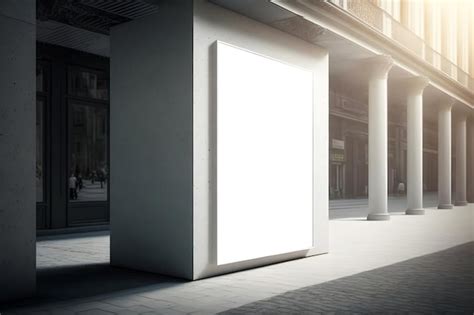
(147, 238)
(444, 156)
(415, 145)
(460, 180)
(378, 68)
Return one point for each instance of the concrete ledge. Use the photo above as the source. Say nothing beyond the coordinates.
(445, 206)
(415, 211)
(378, 217)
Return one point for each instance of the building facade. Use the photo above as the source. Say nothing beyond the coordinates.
(199, 130)
(416, 26)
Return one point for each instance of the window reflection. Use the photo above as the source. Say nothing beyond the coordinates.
(88, 84)
(39, 150)
(88, 176)
(39, 79)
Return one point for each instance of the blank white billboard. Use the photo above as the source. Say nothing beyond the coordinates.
(264, 156)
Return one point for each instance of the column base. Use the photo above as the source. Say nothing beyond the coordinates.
(445, 206)
(415, 211)
(378, 217)
(460, 203)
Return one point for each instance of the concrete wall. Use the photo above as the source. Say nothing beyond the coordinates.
(212, 23)
(151, 131)
(163, 216)
(17, 149)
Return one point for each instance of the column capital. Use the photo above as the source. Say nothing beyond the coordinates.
(470, 117)
(416, 85)
(462, 112)
(378, 66)
(446, 104)
(460, 117)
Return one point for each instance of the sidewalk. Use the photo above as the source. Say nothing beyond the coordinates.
(356, 246)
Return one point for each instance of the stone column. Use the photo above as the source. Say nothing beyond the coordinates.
(416, 86)
(470, 159)
(378, 68)
(460, 180)
(444, 156)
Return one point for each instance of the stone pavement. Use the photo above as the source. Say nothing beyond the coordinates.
(437, 283)
(357, 248)
(72, 250)
(91, 191)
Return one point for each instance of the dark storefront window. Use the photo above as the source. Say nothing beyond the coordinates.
(89, 170)
(72, 144)
(39, 150)
(40, 132)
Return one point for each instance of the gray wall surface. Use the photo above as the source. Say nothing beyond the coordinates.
(151, 130)
(17, 149)
(213, 23)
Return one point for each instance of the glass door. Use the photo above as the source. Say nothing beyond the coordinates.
(88, 176)
(41, 182)
(88, 153)
(88, 180)
(72, 139)
(40, 138)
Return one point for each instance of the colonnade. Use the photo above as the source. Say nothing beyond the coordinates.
(378, 68)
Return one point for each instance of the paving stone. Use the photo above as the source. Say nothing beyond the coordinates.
(438, 283)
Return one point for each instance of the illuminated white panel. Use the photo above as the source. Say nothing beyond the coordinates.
(264, 156)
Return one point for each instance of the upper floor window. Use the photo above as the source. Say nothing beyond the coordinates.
(40, 86)
(88, 84)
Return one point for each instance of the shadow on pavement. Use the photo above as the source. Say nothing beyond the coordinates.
(438, 283)
(82, 281)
